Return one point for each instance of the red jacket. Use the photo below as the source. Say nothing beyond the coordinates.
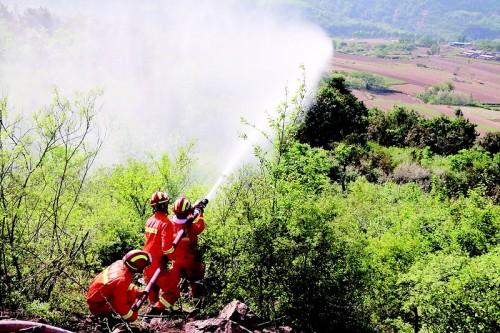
(159, 237)
(112, 291)
(187, 248)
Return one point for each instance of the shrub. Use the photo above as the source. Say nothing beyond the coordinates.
(491, 142)
(273, 244)
(447, 136)
(335, 115)
(391, 128)
(454, 293)
(412, 172)
(43, 166)
(366, 80)
(469, 169)
(444, 94)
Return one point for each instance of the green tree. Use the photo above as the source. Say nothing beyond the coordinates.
(455, 293)
(43, 167)
(443, 135)
(392, 128)
(469, 169)
(273, 244)
(335, 115)
(117, 200)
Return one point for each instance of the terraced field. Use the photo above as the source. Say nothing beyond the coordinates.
(481, 80)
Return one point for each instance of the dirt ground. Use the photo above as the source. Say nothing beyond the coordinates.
(479, 79)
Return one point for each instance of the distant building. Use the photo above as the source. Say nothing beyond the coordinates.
(486, 57)
(480, 54)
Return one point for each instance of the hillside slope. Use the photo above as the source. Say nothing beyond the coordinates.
(447, 18)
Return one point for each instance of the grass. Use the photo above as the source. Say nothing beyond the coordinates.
(429, 113)
(487, 106)
(392, 81)
(422, 109)
(368, 81)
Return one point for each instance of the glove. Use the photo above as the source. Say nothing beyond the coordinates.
(200, 205)
(165, 263)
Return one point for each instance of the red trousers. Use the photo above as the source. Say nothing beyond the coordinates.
(162, 283)
(103, 308)
(192, 270)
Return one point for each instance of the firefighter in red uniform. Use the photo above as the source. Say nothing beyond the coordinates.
(186, 259)
(112, 292)
(159, 237)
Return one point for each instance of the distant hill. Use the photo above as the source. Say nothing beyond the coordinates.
(472, 19)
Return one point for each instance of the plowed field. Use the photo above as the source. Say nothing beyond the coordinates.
(481, 80)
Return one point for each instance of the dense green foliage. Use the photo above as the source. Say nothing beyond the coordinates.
(336, 115)
(401, 127)
(491, 142)
(345, 236)
(488, 45)
(392, 128)
(43, 167)
(366, 80)
(444, 94)
(394, 50)
(449, 18)
(372, 257)
(405, 128)
(62, 223)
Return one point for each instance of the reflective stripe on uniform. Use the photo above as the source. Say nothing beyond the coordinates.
(169, 250)
(129, 314)
(151, 230)
(105, 277)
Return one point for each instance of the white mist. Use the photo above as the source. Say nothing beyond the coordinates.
(171, 71)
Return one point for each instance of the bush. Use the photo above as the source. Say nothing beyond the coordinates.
(469, 169)
(454, 293)
(412, 172)
(43, 166)
(335, 115)
(273, 243)
(366, 80)
(491, 142)
(444, 94)
(448, 136)
(391, 128)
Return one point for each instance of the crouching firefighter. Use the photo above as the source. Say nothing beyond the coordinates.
(112, 291)
(188, 223)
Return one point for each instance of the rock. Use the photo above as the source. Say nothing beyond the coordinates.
(215, 325)
(280, 329)
(285, 329)
(240, 313)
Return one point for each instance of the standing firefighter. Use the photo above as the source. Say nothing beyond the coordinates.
(159, 235)
(112, 291)
(188, 224)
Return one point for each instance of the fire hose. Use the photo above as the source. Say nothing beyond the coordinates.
(140, 301)
(21, 326)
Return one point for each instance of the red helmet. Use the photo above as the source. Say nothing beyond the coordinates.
(158, 198)
(137, 260)
(182, 207)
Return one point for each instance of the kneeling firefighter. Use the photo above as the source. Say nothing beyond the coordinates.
(188, 223)
(112, 292)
